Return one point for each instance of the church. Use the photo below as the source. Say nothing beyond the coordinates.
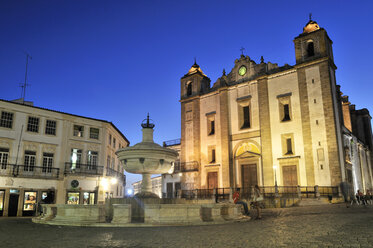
(274, 125)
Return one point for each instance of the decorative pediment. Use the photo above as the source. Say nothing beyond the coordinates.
(247, 149)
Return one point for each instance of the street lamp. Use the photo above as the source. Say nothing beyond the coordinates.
(276, 188)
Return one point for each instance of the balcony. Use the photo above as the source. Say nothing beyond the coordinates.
(27, 171)
(186, 166)
(83, 169)
(113, 173)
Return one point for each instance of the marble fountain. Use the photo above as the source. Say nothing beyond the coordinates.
(145, 208)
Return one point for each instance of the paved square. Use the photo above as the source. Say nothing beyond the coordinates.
(314, 226)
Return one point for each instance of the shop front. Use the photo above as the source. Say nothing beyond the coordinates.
(29, 203)
(2, 195)
(81, 197)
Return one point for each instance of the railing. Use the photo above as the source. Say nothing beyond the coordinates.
(29, 171)
(85, 169)
(113, 173)
(328, 191)
(186, 166)
(266, 191)
(171, 142)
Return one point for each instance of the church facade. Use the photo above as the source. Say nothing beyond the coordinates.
(265, 124)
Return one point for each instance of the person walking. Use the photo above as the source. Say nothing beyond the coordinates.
(257, 199)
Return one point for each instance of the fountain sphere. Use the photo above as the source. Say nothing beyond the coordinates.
(147, 158)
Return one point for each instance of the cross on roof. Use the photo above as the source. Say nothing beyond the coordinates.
(242, 49)
(310, 16)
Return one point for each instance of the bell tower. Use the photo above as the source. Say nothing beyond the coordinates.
(313, 43)
(193, 84)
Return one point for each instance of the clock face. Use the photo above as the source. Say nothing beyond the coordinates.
(242, 70)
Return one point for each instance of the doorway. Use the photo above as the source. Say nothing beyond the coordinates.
(290, 175)
(212, 180)
(13, 204)
(169, 190)
(249, 175)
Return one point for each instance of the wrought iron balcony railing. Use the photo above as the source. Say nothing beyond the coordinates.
(186, 166)
(173, 142)
(29, 171)
(113, 173)
(83, 169)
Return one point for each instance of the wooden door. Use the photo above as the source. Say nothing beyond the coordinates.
(249, 175)
(212, 180)
(289, 175)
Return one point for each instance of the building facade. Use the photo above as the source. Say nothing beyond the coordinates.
(265, 124)
(54, 157)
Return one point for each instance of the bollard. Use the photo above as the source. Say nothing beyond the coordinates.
(179, 193)
(196, 194)
(299, 192)
(317, 193)
(213, 195)
(230, 195)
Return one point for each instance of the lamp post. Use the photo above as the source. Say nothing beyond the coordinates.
(276, 188)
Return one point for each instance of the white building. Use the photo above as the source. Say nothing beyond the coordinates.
(56, 157)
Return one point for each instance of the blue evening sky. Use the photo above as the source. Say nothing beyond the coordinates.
(118, 60)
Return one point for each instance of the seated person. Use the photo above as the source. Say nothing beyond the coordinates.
(237, 200)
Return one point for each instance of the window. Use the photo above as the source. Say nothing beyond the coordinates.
(114, 142)
(108, 161)
(310, 49)
(284, 107)
(88, 198)
(76, 158)
(47, 162)
(78, 130)
(189, 88)
(289, 148)
(109, 139)
(4, 154)
(286, 113)
(50, 127)
(33, 124)
(6, 119)
(30, 158)
(73, 197)
(211, 155)
(94, 133)
(244, 116)
(287, 141)
(113, 163)
(92, 159)
(30, 201)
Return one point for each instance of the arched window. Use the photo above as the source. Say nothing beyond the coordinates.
(189, 89)
(310, 49)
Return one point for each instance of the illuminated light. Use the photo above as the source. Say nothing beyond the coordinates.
(274, 167)
(114, 180)
(180, 174)
(105, 183)
(129, 191)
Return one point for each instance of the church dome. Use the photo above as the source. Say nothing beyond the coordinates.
(311, 26)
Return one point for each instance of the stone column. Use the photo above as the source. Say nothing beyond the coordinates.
(146, 184)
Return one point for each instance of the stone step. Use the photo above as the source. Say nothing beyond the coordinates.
(313, 202)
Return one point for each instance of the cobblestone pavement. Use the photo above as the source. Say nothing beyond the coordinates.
(313, 226)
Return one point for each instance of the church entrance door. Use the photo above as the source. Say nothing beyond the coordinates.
(289, 174)
(212, 180)
(249, 175)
